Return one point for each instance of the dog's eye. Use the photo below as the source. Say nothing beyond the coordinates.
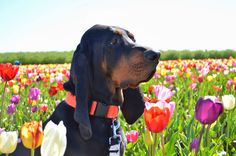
(114, 41)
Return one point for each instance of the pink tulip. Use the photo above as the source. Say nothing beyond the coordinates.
(132, 136)
(163, 93)
(193, 86)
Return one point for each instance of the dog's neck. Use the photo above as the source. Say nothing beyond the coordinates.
(114, 97)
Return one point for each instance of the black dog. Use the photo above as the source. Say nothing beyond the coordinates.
(107, 67)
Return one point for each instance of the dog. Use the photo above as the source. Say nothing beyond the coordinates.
(106, 70)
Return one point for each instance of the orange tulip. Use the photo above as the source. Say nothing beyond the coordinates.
(32, 134)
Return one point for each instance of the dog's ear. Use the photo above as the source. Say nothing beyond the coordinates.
(80, 77)
(133, 105)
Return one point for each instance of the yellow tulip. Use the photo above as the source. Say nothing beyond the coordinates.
(163, 72)
(188, 74)
(209, 78)
(54, 140)
(32, 134)
(34, 103)
(23, 81)
(8, 142)
(16, 89)
(148, 137)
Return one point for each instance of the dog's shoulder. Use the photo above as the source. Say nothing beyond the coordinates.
(63, 112)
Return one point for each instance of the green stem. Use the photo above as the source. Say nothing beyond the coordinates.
(154, 145)
(207, 132)
(163, 144)
(149, 150)
(227, 133)
(7, 154)
(200, 138)
(32, 152)
(2, 105)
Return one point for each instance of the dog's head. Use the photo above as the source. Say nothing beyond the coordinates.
(107, 64)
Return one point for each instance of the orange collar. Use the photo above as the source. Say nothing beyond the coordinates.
(97, 108)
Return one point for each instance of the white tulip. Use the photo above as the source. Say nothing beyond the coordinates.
(228, 101)
(54, 140)
(8, 141)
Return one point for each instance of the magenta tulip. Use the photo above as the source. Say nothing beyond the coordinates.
(34, 93)
(15, 99)
(34, 108)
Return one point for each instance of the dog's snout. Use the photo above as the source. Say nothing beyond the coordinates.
(152, 55)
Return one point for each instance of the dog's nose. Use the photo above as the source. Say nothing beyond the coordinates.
(152, 55)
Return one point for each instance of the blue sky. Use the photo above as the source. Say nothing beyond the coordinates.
(44, 25)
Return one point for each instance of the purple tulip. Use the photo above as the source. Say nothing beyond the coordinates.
(34, 108)
(208, 109)
(15, 99)
(11, 109)
(194, 145)
(34, 93)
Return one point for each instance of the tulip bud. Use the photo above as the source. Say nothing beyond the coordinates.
(148, 138)
(54, 141)
(8, 141)
(228, 102)
(32, 134)
(194, 145)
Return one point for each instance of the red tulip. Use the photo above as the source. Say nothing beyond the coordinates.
(52, 91)
(60, 85)
(156, 119)
(8, 71)
(150, 89)
(43, 107)
(10, 83)
(200, 78)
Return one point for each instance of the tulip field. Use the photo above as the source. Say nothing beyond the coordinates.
(190, 106)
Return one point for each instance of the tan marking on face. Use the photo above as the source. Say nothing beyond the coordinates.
(104, 65)
(131, 70)
(120, 71)
(118, 32)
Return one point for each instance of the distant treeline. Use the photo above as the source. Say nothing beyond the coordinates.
(65, 57)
